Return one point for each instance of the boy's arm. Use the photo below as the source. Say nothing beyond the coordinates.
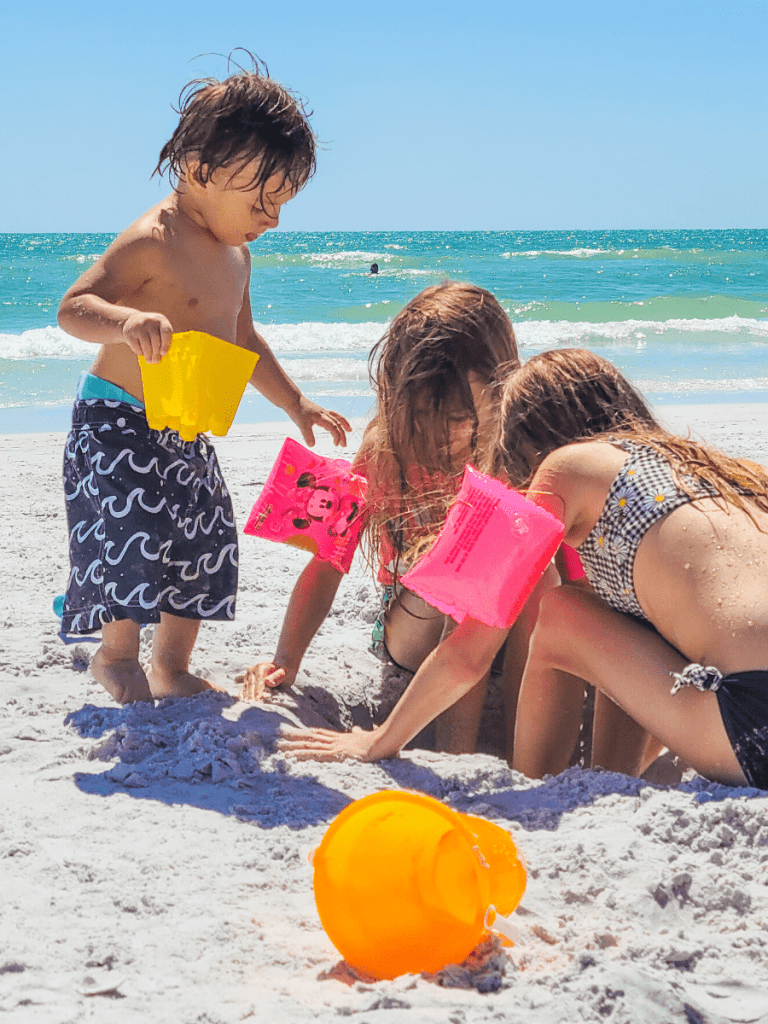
(95, 308)
(277, 387)
(308, 607)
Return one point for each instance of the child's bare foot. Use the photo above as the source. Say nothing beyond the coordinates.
(178, 684)
(123, 678)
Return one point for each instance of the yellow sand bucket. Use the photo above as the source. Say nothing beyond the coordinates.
(197, 385)
(405, 884)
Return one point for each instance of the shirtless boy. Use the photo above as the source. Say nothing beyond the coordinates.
(152, 533)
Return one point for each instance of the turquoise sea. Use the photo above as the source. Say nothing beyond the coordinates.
(683, 313)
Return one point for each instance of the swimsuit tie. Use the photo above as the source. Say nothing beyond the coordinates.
(702, 677)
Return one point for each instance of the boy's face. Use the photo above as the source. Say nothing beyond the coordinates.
(234, 211)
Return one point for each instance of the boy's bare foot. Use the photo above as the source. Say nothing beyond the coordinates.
(178, 684)
(123, 678)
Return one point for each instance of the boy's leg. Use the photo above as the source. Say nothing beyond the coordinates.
(116, 663)
(169, 675)
(578, 637)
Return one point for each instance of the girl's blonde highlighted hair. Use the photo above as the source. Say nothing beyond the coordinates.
(421, 373)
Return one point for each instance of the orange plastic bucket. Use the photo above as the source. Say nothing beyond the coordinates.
(197, 385)
(404, 884)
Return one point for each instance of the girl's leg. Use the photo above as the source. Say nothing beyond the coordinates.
(412, 630)
(516, 654)
(578, 637)
(169, 675)
(515, 658)
(457, 727)
(619, 744)
(116, 663)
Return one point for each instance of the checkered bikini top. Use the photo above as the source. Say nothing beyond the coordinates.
(643, 491)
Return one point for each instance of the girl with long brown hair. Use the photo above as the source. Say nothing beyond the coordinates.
(673, 536)
(437, 374)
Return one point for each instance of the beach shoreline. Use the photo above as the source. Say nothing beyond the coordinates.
(156, 858)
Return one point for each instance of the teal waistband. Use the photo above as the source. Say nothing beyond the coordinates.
(90, 386)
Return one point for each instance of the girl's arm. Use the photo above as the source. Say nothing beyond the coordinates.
(450, 671)
(310, 602)
(308, 607)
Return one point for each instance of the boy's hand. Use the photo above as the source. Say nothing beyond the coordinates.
(148, 335)
(311, 415)
(255, 681)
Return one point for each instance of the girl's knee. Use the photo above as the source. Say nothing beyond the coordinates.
(559, 624)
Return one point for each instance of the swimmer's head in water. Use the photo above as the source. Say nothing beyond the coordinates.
(450, 344)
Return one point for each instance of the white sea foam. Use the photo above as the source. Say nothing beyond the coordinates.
(316, 337)
(353, 257)
(543, 334)
(336, 369)
(54, 343)
(702, 384)
(44, 343)
(286, 339)
(581, 253)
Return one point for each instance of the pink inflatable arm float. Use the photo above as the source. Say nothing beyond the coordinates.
(490, 554)
(311, 502)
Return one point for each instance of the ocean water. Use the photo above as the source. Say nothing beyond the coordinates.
(684, 314)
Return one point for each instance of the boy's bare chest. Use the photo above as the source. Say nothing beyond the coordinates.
(202, 292)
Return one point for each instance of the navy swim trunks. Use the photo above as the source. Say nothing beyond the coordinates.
(151, 527)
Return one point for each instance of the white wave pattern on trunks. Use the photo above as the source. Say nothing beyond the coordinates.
(151, 526)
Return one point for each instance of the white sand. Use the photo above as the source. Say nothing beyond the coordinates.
(153, 860)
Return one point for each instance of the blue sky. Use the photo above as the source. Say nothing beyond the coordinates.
(433, 115)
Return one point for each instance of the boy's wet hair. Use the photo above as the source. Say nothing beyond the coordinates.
(570, 395)
(245, 118)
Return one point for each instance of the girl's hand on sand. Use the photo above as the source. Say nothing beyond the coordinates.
(327, 745)
(312, 415)
(258, 679)
(148, 335)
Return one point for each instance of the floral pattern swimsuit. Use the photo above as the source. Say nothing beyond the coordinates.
(644, 491)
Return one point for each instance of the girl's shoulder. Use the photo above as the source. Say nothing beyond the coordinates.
(585, 459)
(580, 477)
(375, 463)
(369, 449)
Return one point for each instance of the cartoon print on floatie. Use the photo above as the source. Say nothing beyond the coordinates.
(324, 504)
(311, 502)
